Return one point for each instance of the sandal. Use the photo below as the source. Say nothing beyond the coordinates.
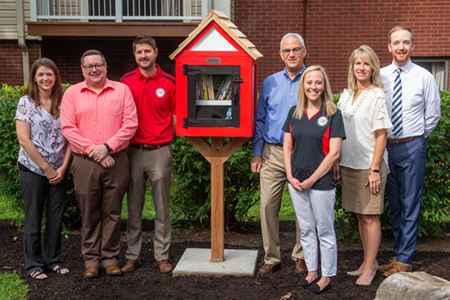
(58, 269)
(35, 275)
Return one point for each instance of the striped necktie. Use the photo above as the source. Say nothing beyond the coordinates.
(396, 116)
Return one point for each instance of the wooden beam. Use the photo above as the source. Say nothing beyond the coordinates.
(201, 145)
(217, 205)
(232, 146)
(110, 29)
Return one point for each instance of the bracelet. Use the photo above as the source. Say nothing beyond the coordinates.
(107, 147)
(374, 170)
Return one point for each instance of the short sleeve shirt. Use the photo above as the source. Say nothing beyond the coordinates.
(311, 144)
(155, 99)
(45, 133)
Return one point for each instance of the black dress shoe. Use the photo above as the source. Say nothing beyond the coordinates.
(315, 288)
(304, 283)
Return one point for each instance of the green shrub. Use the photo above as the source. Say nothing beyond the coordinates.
(191, 191)
(436, 198)
(9, 173)
(191, 187)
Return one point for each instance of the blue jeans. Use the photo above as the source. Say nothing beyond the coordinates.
(35, 190)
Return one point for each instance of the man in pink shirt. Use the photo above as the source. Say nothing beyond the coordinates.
(99, 118)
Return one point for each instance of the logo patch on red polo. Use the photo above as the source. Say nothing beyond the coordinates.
(160, 92)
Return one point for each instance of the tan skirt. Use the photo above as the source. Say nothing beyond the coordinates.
(356, 197)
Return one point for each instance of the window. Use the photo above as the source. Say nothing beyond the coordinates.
(437, 66)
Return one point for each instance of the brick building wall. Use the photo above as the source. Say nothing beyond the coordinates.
(11, 62)
(118, 54)
(66, 53)
(335, 28)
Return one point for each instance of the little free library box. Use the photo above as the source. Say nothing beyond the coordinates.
(216, 73)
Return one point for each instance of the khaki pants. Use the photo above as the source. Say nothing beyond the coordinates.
(99, 193)
(155, 165)
(273, 179)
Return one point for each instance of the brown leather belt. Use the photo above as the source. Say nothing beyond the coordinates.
(114, 155)
(147, 147)
(277, 144)
(398, 141)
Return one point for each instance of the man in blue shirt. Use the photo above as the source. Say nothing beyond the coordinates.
(278, 94)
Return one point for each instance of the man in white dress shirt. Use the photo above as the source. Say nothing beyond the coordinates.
(415, 102)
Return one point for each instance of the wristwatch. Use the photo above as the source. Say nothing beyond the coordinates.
(107, 147)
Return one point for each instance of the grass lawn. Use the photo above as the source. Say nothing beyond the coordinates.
(6, 208)
(287, 212)
(12, 287)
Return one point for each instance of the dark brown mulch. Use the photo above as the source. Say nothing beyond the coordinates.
(148, 283)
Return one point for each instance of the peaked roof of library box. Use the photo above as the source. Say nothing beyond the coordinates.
(232, 30)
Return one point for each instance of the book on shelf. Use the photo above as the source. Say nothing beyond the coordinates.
(211, 87)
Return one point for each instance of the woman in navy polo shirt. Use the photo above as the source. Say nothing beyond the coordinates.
(314, 131)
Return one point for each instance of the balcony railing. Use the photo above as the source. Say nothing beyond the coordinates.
(119, 10)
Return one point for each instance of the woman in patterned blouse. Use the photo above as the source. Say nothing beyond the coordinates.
(43, 161)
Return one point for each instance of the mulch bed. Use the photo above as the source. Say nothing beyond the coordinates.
(148, 283)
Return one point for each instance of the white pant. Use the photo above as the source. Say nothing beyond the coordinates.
(315, 208)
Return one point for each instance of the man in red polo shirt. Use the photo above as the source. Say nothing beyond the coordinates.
(150, 152)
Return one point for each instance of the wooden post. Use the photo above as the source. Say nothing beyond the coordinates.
(217, 205)
(217, 154)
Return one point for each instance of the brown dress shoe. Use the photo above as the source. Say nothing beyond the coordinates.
(113, 270)
(388, 266)
(300, 266)
(398, 267)
(131, 265)
(91, 272)
(164, 266)
(269, 268)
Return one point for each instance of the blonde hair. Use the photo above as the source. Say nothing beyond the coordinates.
(368, 55)
(327, 97)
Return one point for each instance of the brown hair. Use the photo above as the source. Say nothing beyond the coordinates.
(144, 39)
(33, 88)
(327, 97)
(398, 28)
(92, 52)
(367, 54)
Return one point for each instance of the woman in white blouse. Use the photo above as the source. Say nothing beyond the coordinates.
(43, 160)
(363, 162)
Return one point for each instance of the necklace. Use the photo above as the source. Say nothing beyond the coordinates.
(361, 98)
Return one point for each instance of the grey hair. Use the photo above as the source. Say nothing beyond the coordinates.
(298, 36)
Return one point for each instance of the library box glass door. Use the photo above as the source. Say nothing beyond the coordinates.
(213, 96)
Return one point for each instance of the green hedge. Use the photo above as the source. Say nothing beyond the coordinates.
(191, 192)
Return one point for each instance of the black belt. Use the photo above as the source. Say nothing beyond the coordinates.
(398, 141)
(114, 155)
(277, 144)
(148, 147)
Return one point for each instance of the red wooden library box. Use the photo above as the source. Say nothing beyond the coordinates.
(216, 73)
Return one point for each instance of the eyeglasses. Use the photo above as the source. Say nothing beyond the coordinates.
(98, 67)
(296, 50)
